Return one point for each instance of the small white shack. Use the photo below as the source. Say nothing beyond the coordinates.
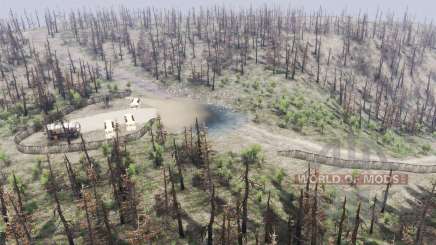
(134, 103)
(109, 129)
(130, 122)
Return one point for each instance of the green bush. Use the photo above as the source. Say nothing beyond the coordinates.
(368, 241)
(45, 178)
(30, 207)
(332, 193)
(297, 119)
(401, 148)
(256, 85)
(37, 169)
(298, 101)
(320, 116)
(353, 121)
(132, 169)
(156, 154)
(388, 137)
(37, 121)
(426, 148)
(259, 196)
(304, 114)
(75, 98)
(128, 158)
(279, 176)
(398, 144)
(355, 174)
(12, 124)
(224, 168)
(372, 125)
(109, 204)
(99, 82)
(263, 180)
(282, 105)
(389, 219)
(106, 149)
(4, 115)
(252, 155)
(226, 80)
(21, 186)
(4, 158)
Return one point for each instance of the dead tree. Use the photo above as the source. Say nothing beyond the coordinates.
(212, 217)
(54, 191)
(298, 228)
(75, 188)
(176, 206)
(421, 220)
(268, 221)
(18, 193)
(386, 193)
(373, 215)
(179, 165)
(341, 222)
(114, 180)
(4, 208)
(356, 225)
(86, 199)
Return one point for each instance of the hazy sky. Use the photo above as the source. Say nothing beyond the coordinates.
(421, 9)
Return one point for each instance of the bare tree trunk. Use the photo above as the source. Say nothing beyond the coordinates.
(212, 217)
(176, 206)
(179, 167)
(341, 223)
(88, 218)
(58, 205)
(267, 221)
(298, 239)
(245, 202)
(386, 192)
(356, 226)
(371, 227)
(421, 221)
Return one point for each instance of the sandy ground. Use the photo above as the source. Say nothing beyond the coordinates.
(176, 113)
(96, 121)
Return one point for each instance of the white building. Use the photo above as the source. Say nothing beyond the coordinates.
(109, 129)
(130, 122)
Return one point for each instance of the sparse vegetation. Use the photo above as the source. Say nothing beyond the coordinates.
(364, 81)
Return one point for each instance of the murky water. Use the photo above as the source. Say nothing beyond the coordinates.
(179, 113)
(221, 120)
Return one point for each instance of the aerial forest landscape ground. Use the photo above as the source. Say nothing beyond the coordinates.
(236, 105)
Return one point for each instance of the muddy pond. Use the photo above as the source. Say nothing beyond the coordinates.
(179, 113)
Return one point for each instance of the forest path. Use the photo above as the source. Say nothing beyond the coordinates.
(274, 140)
